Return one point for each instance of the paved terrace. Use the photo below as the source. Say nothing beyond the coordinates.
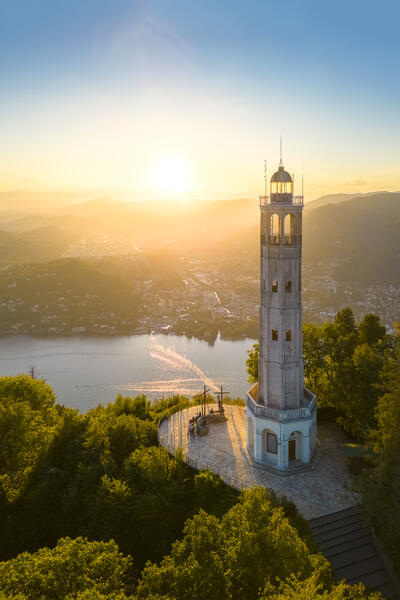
(323, 489)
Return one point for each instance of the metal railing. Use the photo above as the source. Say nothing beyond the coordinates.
(170, 442)
(290, 240)
(294, 200)
(275, 240)
(199, 464)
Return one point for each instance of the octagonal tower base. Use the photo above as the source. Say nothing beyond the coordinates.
(284, 440)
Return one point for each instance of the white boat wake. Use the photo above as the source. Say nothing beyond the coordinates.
(181, 362)
(186, 386)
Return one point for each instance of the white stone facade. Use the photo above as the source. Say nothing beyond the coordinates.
(281, 413)
(281, 439)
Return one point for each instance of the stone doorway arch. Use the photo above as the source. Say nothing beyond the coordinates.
(295, 441)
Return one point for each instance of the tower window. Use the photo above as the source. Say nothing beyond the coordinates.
(275, 286)
(288, 286)
(274, 335)
(272, 443)
(288, 335)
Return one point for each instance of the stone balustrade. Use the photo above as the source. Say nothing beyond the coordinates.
(259, 410)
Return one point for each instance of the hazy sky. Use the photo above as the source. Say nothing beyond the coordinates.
(111, 93)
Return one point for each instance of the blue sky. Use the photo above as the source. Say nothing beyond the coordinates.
(93, 92)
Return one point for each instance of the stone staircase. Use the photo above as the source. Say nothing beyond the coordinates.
(346, 541)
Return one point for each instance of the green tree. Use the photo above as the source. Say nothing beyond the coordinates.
(371, 330)
(314, 352)
(382, 485)
(162, 490)
(233, 557)
(138, 407)
(112, 437)
(28, 420)
(342, 365)
(71, 568)
(252, 363)
(23, 388)
(312, 588)
(212, 494)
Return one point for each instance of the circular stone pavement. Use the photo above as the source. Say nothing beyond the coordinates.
(325, 488)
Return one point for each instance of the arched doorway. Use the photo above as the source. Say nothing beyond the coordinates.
(295, 446)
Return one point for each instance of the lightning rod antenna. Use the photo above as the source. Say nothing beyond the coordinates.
(265, 177)
(281, 163)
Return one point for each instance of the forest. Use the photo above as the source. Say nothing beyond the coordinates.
(91, 507)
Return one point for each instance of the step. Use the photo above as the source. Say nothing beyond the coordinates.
(353, 556)
(339, 532)
(373, 580)
(341, 547)
(378, 581)
(388, 591)
(332, 525)
(353, 510)
(357, 538)
(359, 570)
(345, 539)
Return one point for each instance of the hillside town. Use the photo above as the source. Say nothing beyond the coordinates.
(204, 300)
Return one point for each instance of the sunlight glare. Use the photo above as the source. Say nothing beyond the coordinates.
(171, 174)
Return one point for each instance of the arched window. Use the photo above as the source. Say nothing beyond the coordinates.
(289, 229)
(272, 443)
(269, 442)
(275, 229)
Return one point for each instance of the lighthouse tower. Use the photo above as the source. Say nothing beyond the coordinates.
(280, 411)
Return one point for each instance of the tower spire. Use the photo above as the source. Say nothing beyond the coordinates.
(281, 162)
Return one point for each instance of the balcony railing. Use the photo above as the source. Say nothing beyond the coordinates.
(296, 200)
(275, 240)
(288, 240)
(260, 410)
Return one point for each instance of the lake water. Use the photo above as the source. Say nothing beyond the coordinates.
(86, 371)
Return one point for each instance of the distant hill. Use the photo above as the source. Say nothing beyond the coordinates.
(357, 235)
(20, 201)
(36, 245)
(361, 236)
(336, 199)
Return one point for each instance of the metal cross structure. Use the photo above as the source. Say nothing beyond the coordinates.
(220, 396)
(204, 400)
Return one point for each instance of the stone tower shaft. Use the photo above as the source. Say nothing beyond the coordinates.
(281, 344)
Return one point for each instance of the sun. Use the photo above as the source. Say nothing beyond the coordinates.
(172, 174)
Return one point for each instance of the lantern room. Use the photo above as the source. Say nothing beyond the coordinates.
(281, 186)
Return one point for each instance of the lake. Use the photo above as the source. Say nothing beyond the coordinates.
(86, 371)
